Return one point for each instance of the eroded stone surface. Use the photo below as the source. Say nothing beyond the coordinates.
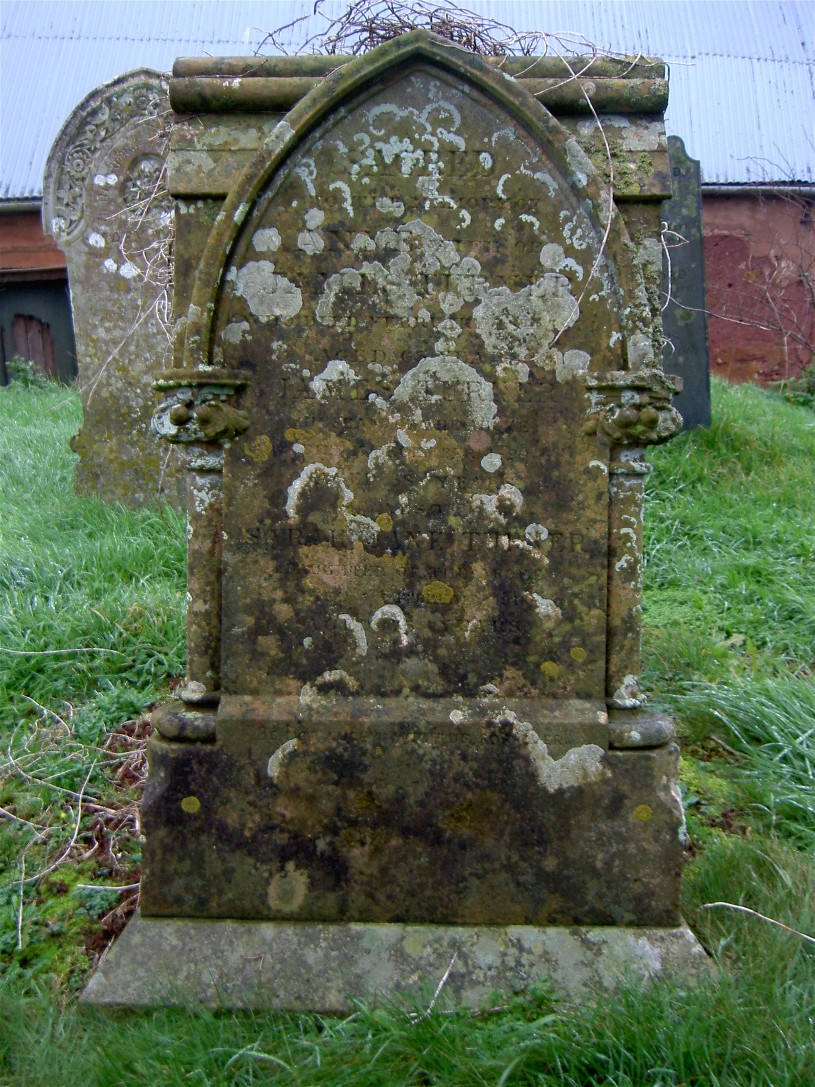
(415, 505)
(106, 205)
(327, 968)
(469, 822)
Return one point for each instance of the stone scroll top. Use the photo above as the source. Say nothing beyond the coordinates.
(414, 507)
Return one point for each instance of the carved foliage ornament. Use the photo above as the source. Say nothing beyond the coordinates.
(633, 408)
(198, 409)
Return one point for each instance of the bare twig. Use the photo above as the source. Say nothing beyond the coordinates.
(20, 905)
(24, 822)
(414, 1017)
(760, 916)
(74, 835)
(108, 887)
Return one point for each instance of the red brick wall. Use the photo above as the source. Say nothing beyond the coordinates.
(25, 251)
(760, 269)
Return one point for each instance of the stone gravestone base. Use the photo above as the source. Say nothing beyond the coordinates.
(308, 966)
(414, 381)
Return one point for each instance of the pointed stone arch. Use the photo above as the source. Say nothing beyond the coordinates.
(394, 60)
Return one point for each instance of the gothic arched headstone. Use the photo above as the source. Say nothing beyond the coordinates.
(419, 368)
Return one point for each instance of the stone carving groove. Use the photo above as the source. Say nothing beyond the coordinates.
(136, 97)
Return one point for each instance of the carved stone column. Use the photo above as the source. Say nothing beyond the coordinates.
(199, 415)
(629, 409)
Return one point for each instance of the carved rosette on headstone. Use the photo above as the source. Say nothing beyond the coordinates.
(106, 204)
(427, 348)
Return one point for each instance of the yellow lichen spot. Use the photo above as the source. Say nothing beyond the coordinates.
(642, 813)
(191, 805)
(436, 592)
(385, 522)
(578, 654)
(294, 435)
(550, 669)
(260, 449)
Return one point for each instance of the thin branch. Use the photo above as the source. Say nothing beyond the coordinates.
(760, 916)
(108, 886)
(418, 1018)
(24, 822)
(69, 847)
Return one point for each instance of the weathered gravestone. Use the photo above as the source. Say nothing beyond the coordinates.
(105, 203)
(419, 368)
(684, 316)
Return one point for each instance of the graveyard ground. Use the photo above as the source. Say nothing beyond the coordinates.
(91, 633)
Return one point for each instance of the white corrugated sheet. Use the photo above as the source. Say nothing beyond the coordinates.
(742, 73)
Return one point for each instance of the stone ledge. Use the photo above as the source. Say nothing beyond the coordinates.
(324, 967)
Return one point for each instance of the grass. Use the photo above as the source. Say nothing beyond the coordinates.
(91, 603)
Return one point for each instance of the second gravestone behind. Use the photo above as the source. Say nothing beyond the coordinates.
(420, 350)
(106, 204)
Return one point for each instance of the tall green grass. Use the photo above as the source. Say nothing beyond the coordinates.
(730, 619)
(91, 612)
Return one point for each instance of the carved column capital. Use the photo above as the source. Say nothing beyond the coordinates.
(198, 409)
(633, 408)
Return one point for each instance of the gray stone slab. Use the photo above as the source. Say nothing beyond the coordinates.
(684, 318)
(327, 967)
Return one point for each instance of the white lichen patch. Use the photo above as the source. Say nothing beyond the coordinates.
(572, 364)
(205, 490)
(129, 270)
(627, 695)
(440, 379)
(391, 614)
(96, 241)
(357, 633)
(545, 609)
(312, 476)
(361, 528)
(535, 533)
(491, 462)
(553, 259)
(275, 762)
(583, 765)
(507, 501)
(337, 372)
(235, 332)
(266, 240)
(518, 326)
(267, 294)
(311, 242)
(388, 206)
(579, 162)
(345, 190)
(110, 265)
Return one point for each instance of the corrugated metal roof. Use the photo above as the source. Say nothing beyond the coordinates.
(742, 73)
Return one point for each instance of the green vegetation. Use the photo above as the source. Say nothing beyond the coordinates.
(91, 601)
